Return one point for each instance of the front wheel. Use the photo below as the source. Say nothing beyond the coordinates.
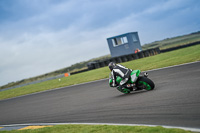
(145, 83)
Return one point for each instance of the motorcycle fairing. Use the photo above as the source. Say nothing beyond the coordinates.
(134, 76)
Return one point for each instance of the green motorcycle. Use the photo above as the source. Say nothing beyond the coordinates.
(136, 82)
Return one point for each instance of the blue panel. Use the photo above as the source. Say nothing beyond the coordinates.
(124, 48)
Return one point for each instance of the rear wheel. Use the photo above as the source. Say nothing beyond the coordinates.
(145, 83)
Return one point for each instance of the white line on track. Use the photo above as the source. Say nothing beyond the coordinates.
(32, 124)
(100, 80)
(172, 66)
(40, 124)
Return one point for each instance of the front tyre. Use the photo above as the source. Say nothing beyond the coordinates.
(145, 83)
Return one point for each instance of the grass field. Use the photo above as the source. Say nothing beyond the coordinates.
(173, 42)
(99, 129)
(176, 57)
(162, 44)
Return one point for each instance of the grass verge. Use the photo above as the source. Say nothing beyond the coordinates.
(176, 57)
(99, 129)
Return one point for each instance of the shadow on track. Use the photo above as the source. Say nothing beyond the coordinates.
(130, 94)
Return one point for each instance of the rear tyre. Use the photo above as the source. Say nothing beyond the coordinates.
(145, 83)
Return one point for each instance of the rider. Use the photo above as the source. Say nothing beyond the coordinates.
(119, 70)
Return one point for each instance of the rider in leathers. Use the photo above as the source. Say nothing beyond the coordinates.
(119, 70)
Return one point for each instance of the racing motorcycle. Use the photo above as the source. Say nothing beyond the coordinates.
(136, 82)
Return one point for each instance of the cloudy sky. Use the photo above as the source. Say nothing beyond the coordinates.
(40, 36)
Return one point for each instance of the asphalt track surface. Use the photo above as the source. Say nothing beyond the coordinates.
(174, 102)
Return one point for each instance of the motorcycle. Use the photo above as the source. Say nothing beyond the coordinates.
(136, 82)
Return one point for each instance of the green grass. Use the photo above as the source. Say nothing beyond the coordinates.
(99, 129)
(176, 57)
(173, 42)
(162, 44)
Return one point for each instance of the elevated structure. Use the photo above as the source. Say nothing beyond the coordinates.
(124, 44)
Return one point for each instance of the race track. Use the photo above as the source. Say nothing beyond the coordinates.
(174, 102)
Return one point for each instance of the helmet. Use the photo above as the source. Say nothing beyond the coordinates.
(111, 65)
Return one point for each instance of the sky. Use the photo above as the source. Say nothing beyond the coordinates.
(41, 36)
